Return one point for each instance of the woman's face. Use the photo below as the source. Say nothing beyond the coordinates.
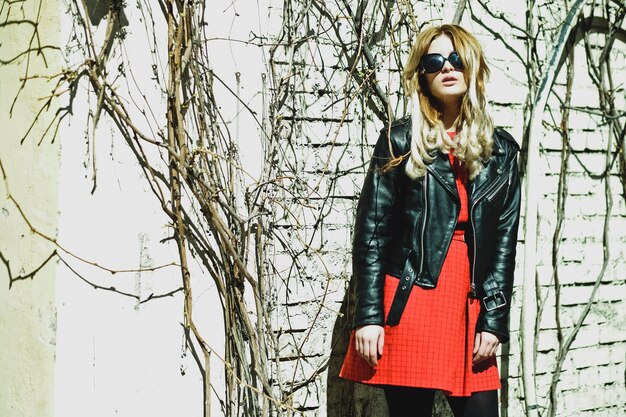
(448, 84)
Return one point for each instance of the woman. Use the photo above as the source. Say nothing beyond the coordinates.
(435, 236)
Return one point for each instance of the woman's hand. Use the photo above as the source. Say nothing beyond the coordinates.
(485, 346)
(369, 343)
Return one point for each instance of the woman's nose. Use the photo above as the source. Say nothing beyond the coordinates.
(447, 67)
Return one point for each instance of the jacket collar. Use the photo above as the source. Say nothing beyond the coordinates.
(442, 171)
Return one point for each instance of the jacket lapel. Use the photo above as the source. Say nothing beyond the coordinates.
(491, 172)
(442, 171)
(485, 177)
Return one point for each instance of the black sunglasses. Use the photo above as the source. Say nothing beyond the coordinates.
(434, 62)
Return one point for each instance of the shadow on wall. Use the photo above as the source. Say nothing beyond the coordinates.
(345, 398)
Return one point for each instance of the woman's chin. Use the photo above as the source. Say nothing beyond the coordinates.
(450, 94)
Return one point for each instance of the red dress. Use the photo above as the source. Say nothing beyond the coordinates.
(432, 345)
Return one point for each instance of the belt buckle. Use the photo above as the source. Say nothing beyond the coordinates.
(493, 301)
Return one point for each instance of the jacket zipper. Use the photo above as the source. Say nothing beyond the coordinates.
(424, 222)
(472, 292)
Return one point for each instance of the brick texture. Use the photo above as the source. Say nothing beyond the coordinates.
(313, 290)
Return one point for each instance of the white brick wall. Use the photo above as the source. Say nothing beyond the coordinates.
(591, 381)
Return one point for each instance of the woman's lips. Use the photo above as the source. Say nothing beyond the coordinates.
(448, 81)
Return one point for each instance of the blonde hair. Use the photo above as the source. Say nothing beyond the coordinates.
(473, 141)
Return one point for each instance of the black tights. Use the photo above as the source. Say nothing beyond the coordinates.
(418, 402)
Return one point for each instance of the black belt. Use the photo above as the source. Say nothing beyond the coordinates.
(407, 279)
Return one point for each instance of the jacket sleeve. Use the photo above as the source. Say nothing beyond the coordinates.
(373, 233)
(498, 285)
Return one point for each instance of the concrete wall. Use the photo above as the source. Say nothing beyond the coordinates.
(27, 307)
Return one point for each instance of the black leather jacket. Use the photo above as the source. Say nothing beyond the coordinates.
(404, 228)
